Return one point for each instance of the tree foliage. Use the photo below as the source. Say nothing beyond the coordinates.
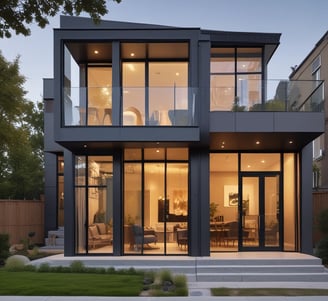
(17, 14)
(21, 136)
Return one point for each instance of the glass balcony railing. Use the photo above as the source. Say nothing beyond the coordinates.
(129, 106)
(270, 95)
(176, 106)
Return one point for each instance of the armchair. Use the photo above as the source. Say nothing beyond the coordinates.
(182, 238)
(143, 237)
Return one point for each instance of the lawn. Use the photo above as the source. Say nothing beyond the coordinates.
(222, 291)
(69, 284)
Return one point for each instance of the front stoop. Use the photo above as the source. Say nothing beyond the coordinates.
(302, 268)
(222, 267)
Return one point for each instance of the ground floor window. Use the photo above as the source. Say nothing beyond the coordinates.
(60, 191)
(252, 197)
(94, 204)
(156, 201)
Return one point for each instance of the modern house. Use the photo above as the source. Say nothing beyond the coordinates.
(167, 141)
(315, 67)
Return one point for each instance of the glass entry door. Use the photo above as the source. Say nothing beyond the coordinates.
(259, 209)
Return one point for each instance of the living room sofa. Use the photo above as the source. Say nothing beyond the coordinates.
(99, 235)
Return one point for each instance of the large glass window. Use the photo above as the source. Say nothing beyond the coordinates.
(87, 84)
(99, 96)
(260, 162)
(289, 202)
(60, 191)
(156, 201)
(260, 212)
(168, 92)
(224, 202)
(133, 79)
(94, 204)
(236, 76)
(155, 84)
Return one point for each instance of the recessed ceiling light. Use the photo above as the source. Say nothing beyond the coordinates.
(177, 73)
(248, 166)
(132, 54)
(222, 146)
(96, 52)
(262, 161)
(85, 146)
(257, 142)
(290, 142)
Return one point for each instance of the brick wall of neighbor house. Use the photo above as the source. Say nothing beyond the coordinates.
(19, 217)
(320, 202)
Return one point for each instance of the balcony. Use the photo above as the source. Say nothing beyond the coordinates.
(266, 115)
(269, 96)
(129, 106)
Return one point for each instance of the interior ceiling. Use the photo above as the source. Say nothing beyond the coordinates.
(102, 52)
(274, 142)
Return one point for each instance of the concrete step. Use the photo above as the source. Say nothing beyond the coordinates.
(300, 268)
(55, 242)
(308, 260)
(262, 277)
(227, 269)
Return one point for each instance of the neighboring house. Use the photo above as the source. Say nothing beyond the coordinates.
(315, 67)
(172, 141)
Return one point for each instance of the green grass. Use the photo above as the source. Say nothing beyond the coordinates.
(69, 284)
(223, 291)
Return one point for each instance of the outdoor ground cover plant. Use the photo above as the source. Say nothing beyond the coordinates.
(75, 280)
(223, 291)
(19, 278)
(164, 283)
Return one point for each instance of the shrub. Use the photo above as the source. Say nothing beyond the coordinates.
(4, 248)
(322, 246)
(44, 267)
(180, 280)
(111, 270)
(181, 291)
(77, 266)
(165, 276)
(30, 268)
(16, 263)
(323, 222)
(60, 269)
(322, 250)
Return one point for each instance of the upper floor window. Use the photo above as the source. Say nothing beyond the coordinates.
(152, 91)
(236, 76)
(155, 84)
(87, 93)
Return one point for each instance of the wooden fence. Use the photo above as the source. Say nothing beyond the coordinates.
(320, 202)
(19, 217)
